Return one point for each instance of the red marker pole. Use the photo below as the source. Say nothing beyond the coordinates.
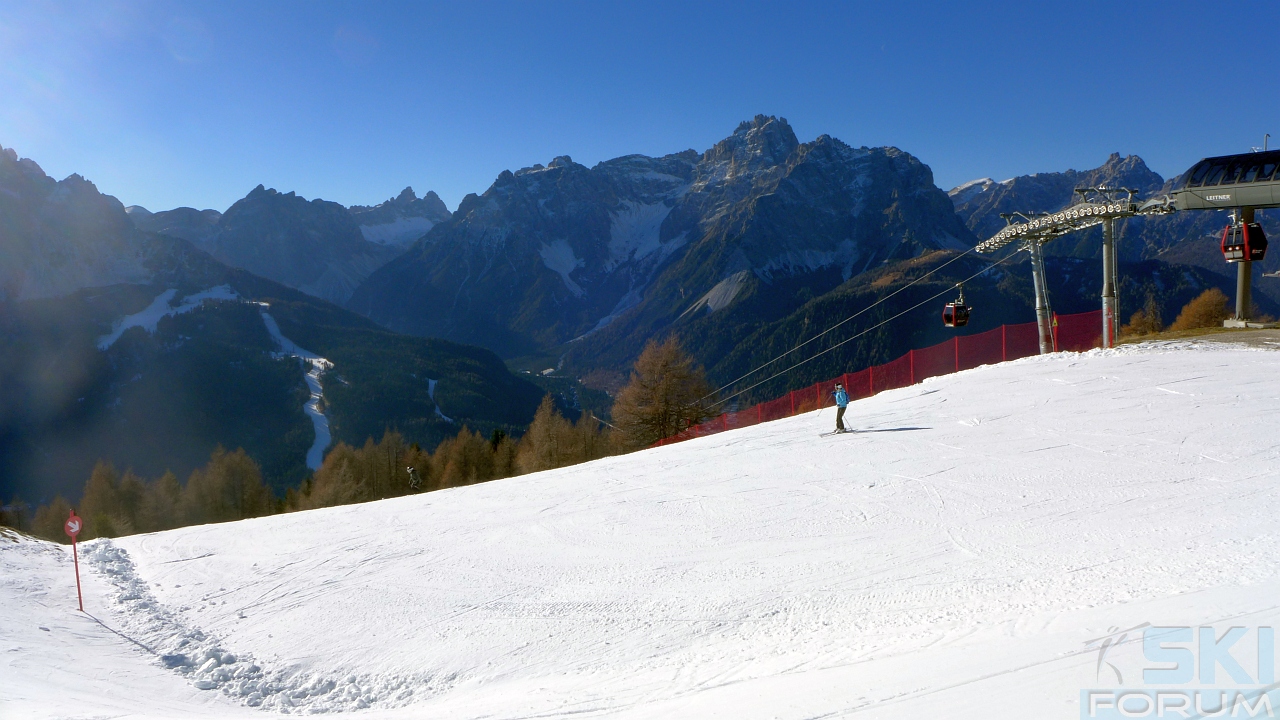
(72, 528)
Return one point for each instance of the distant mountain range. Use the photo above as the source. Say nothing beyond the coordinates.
(585, 264)
(107, 350)
(743, 250)
(317, 246)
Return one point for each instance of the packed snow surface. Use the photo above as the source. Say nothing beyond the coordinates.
(960, 556)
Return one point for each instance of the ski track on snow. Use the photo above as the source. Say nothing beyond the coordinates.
(955, 559)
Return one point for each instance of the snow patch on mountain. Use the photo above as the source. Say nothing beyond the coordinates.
(401, 232)
(560, 258)
(317, 367)
(635, 293)
(721, 294)
(160, 308)
(946, 241)
(634, 231)
(431, 393)
(845, 255)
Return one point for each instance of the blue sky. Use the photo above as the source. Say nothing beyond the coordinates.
(168, 104)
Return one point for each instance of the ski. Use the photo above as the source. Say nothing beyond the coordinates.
(836, 432)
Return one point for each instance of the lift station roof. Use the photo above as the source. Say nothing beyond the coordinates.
(1230, 181)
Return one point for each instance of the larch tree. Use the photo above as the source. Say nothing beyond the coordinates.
(668, 393)
(1208, 309)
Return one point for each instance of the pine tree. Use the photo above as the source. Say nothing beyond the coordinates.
(667, 393)
(131, 491)
(464, 459)
(339, 481)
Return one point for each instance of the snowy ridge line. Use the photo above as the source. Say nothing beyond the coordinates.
(209, 666)
(160, 308)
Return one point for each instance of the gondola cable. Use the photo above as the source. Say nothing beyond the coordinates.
(757, 369)
(864, 332)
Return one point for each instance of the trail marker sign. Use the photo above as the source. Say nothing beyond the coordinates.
(72, 528)
(73, 525)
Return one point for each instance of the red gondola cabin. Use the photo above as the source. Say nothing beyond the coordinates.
(1243, 241)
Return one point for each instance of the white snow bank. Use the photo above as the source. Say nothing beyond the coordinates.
(401, 232)
(634, 231)
(148, 318)
(962, 557)
(560, 258)
(317, 367)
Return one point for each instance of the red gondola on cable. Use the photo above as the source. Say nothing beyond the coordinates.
(1243, 241)
(956, 314)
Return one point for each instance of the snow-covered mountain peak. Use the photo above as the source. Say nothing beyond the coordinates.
(581, 246)
(966, 192)
(402, 220)
(762, 142)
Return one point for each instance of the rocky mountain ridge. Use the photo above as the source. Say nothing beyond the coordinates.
(400, 220)
(557, 253)
(59, 236)
(141, 349)
(316, 246)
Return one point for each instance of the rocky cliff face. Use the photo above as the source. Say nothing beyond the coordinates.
(318, 247)
(400, 221)
(315, 246)
(552, 254)
(57, 237)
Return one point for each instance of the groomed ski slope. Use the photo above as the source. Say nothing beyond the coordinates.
(959, 558)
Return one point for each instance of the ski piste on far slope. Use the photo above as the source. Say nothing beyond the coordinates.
(963, 562)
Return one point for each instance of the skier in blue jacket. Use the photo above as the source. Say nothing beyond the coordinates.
(842, 404)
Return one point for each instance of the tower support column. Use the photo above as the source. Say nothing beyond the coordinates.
(1108, 283)
(1043, 315)
(1244, 279)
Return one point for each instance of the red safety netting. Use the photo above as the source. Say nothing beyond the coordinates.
(890, 375)
(858, 385)
(937, 360)
(775, 409)
(982, 349)
(1078, 332)
(1021, 341)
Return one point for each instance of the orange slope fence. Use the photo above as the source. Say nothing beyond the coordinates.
(1078, 332)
